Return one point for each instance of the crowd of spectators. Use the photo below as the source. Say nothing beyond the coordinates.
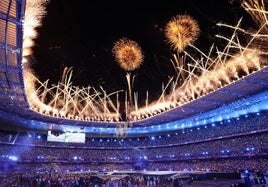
(256, 122)
(234, 145)
(244, 145)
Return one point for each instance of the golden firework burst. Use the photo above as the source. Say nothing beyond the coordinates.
(128, 54)
(180, 31)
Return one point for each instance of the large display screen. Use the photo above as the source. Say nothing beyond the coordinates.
(68, 137)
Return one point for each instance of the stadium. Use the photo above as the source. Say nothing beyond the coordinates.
(205, 126)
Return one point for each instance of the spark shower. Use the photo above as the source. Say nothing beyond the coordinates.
(231, 64)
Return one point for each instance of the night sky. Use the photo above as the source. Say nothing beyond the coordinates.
(81, 35)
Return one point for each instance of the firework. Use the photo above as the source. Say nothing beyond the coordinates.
(256, 9)
(180, 31)
(128, 54)
(64, 100)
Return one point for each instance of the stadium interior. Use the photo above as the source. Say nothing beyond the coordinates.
(207, 127)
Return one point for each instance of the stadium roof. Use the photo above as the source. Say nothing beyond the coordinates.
(15, 111)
